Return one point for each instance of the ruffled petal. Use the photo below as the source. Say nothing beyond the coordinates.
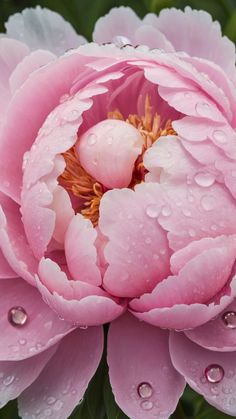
(41, 28)
(62, 384)
(196, 363)
(143, 379)
(18, 375)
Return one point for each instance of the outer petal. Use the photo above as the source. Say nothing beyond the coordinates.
(41, 28)
(215, 335)
(13, 242)
(118, 25)
(76, 301)
(62, 384)
(81, 254)
(174, 24)
(42, 329)
(15, 376)
(137, 250)
(138, 353)
(191, 361)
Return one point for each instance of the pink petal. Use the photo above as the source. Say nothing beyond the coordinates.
(41, 28)
(75, 301)
(42, 329)
(108, 151)
(192, 361)
(62, 207)
(81, 254)
(16, 376)
(174, 24)
(137, 250)
(5, 269)
(29, 64)
(120, 22)
(13, 242)
(152, 37)
(61, 385)
(138, 355)
(216, 335)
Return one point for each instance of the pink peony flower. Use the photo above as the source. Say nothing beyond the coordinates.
(117, 179)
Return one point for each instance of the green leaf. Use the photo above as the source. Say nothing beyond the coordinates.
(230, 28)
(9, 411)
(210, 413)
(112, 410)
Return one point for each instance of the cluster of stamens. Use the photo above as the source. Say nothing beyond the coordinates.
(85, 188)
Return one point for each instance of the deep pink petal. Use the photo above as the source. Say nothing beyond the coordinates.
(137, 354)
(81, 254)
(62, 384)
(16, 376)
(42, 329)
(192, 361)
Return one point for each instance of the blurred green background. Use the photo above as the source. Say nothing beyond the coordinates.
(98, 402)
(84, 13)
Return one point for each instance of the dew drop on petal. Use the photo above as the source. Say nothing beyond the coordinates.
(17, 316)
(8, 380)
(51, 400)
(214, 373)
(92, 139)
(166, 211)
(152, 211)
(120, 40)
(229, 319)
(202, 108)
(146, 405)
(208, 202)
(204, 179)
(220, 137)
(145, 390)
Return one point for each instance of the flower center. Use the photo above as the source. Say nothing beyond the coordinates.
(85, 188)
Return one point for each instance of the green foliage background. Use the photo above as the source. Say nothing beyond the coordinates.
(98, 402)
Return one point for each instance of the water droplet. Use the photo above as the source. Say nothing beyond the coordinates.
(146, 405)
(152, 211)
(58, 405)
(121, 41)
(202, 108)
(72, 116)
(208, 202)
(51, 400)
(214, 373)
(22, 341)
(48, 412)
(229, 319)
(92, 139)
(166, 211)
(17, 316)
(187, 212)
(8, 380)
(64, 98)
(148, 240)
(220, 137)
(192, 232)
(204, 179)
(83, 327)
(155, 256)
(145, 390)
(6, 184)
(109, 140)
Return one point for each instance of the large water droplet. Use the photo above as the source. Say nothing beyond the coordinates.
(58, 405)
(17, 316)
(72, 115)
(220, 137)
(145, 390)
(8, 380)
(146, 405)
(205, 179)
(152, 211)
(92, 139)
(121, 41)
(214, 373)
(229, 319)
(202, 108)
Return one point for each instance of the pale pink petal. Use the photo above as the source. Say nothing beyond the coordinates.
(175, 24)
(193, 362)
(41, 28)
(81, 254)
(108, 151)
(137, 250)
(147, 35)
(138, 358)
(29, 64)
(42, 329)
(218, 334)
(62, 207)
(120, 23)
(62, 384)
(76, 301)
(13, 242)
(5, 270)
(16, 376)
